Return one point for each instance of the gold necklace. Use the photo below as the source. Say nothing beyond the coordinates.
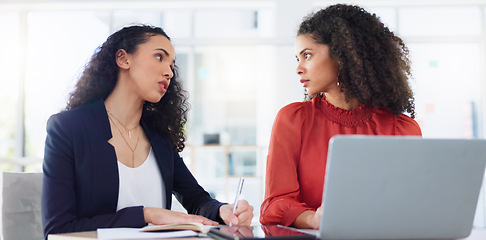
(126, 129)
(131, 149)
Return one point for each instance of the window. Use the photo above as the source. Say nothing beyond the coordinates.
(440, 21)
(59, 43)
(10, 67)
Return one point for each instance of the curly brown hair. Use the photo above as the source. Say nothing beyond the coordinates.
(374, 64)
(168, 116)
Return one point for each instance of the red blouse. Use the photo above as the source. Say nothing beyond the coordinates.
(298, 152)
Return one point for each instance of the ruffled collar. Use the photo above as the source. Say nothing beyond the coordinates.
(348, 118)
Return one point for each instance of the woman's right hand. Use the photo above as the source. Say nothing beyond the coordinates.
(160, 216)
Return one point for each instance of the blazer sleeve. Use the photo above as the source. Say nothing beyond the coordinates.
(191, 195)
(65, 172)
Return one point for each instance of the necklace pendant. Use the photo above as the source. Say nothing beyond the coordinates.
(129, 134)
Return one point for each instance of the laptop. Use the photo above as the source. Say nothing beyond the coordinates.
(258, 232)
(389, 187)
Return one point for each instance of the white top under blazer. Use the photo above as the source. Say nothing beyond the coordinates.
(142, 185)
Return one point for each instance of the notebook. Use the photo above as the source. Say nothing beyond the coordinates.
(379, 187)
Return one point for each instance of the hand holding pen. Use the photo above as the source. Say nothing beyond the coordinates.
(237, 197)
(238, 193)
(238, 213)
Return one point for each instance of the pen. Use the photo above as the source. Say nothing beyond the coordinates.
(238, 192)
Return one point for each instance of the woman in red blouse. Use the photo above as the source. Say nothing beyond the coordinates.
(356, 72)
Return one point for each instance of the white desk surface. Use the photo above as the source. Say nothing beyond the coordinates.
(90, 235)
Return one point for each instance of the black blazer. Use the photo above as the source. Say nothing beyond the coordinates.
(80, 183)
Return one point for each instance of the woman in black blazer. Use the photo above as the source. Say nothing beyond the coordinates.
(127, 111)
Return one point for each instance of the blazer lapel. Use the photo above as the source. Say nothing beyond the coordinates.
(105, 175)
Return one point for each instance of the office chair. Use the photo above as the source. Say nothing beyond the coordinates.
(20, 201)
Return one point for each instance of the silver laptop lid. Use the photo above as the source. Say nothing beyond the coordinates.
(380, 187)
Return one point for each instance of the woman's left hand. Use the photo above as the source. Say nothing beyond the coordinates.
(242, 215)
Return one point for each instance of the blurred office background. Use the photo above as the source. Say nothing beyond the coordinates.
(238, 63)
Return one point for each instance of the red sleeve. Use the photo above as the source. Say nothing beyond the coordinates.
(405, 125)
(281, 204)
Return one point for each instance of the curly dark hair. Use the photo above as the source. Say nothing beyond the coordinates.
(168, 116)
(374, 65)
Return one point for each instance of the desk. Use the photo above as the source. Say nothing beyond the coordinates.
(92, 235)
(476, 234)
